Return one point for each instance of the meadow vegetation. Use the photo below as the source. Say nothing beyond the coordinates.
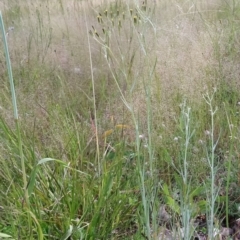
(128, 123)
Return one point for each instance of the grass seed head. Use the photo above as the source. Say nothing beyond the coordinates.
(107, 133)
(119, 24)
(135, 19)
(122, 126)
(144, 7)
(106, 13)
(99, 19)
(96, 33)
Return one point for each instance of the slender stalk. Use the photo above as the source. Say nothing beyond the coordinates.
(186, 205)
(9, 67)
(15, 110)
(186, 208)
(229, 166)
(93, 92)
(211, 161)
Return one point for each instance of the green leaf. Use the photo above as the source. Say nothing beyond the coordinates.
(196, 192)
(202, 204)
(68, 233)
(31, 181)
(170, 201)
(40, 233)
(3, 235)
(44, 160)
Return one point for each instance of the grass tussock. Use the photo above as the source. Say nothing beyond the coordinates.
(128, 122)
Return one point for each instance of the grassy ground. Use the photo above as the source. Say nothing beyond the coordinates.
(124, 107)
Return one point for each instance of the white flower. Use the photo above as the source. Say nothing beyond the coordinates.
(10, 29)
(141, 136)
(216, 231)
(207, 133)
(175, 139)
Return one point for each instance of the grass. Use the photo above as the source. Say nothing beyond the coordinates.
(116, 118)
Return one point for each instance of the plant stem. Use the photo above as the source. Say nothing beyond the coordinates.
(14, 102)
(94, 98)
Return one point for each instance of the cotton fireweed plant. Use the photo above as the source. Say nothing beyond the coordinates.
(212, 191)
(186, 208)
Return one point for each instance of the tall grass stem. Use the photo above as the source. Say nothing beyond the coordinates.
(93, 92)
(14, 102)
(9, 67)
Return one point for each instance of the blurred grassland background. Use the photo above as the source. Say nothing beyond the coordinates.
(119, 125)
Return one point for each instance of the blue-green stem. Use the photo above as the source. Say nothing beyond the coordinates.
(15, 110)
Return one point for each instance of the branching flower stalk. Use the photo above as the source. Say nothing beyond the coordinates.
(188, 136)
(140, 164)
(15, 110)
(212, 195)
(229, 164)
(148, 192)
(186, 208)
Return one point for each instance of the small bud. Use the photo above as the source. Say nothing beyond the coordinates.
(119, 24)
(141, 136)
(135, 19)
(99, 19)
(175, 139)
(123, 14)
(106, 12)
(207, 132)
(96, 33)
(107, 133)
(131, 12)
(144, 7)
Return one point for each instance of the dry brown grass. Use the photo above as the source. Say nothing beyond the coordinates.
(183, 45)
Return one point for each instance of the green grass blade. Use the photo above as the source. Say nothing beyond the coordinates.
(9, 67)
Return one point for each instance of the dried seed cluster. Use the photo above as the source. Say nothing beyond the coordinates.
(115, 17)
